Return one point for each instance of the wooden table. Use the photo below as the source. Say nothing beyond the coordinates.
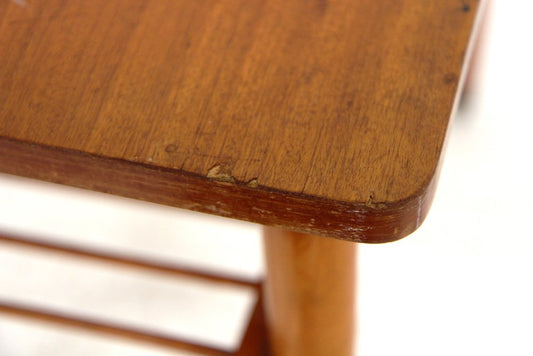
(319, 117)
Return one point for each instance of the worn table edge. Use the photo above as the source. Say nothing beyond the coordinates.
(369, 222)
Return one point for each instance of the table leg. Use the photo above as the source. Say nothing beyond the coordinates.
(309, 294)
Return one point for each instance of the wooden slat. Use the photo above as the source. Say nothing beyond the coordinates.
(326, 117)
(104, 327)
(127, 260)
(253, 341)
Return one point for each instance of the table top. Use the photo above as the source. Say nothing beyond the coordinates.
(325, 117)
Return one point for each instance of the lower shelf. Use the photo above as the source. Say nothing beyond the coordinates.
(253, 340)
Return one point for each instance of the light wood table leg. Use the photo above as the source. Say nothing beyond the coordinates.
(309, 294)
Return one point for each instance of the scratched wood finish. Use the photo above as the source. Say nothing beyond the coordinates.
(325, 117)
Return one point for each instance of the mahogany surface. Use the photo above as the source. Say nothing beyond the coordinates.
(324, 117)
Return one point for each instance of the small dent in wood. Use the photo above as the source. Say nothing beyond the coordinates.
(221, 172)
(370, 199)
(171, 148)
(349, 104)
(450, 78)
(371, 204)
(253, 183)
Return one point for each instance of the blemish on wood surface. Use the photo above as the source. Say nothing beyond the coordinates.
(465, 7)
(171, 148)
(322, 6)
(371, 204)
(21, 3)
(217, 210)
(419, 213)
(370, 200)
(253, 183)
(221, 172)
(450, 78)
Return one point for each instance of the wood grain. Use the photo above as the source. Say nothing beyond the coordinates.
(309, 294)
(325, 117)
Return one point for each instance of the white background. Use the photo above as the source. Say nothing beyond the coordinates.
(463, 283)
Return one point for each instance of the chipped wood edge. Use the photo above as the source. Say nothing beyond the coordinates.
(249, 201)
